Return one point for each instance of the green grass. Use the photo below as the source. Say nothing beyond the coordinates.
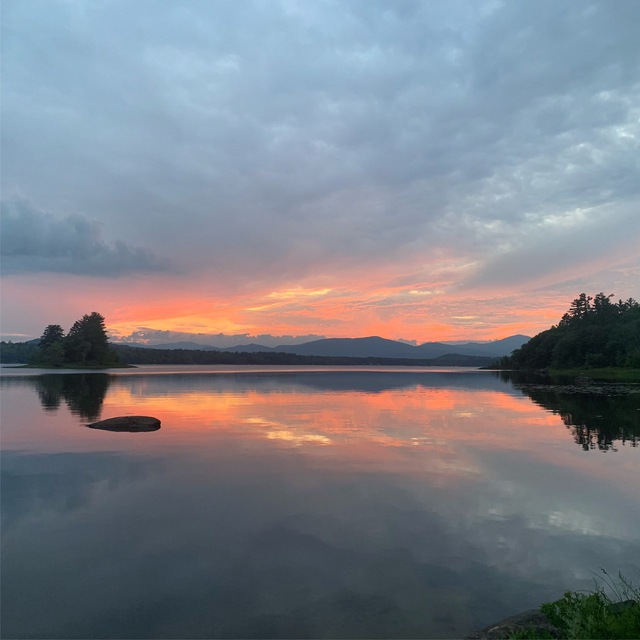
(613, 374)
(532, 634)
(611, 611)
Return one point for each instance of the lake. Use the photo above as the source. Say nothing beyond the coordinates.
(317, 502)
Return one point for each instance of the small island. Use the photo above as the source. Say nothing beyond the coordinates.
(86, 346)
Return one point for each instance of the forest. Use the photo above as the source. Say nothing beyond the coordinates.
(86, 345)
(595, 332)
(138, 355)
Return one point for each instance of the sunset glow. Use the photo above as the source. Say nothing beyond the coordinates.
(352, 417)
(310, 170)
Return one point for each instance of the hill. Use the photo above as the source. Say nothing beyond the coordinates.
(369, 347)
(370, 350)
(136, 355)
(594, 332)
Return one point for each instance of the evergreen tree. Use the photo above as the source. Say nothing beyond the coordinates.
(50, 350)
(87, 341)
(85, 344)
(580, 307)
(52, 334)
(595, 332)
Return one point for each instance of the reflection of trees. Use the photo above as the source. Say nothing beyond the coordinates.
(598, 415)
(84, 393)
(596, 421)
(50, 389)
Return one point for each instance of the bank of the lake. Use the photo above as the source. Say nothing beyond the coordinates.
(71, 366)
(601, 374)
(611, 610)
(605, 374)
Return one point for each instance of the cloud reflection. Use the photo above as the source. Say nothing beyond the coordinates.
(268, 506)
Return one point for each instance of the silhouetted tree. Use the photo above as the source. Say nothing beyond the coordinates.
(50, 350)
(580, 307)
(595, 332)
(85, 344)
(53, 333)
(87, 341)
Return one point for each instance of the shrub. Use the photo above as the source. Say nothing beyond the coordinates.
(595, 615)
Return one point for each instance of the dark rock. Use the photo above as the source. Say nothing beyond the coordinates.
(132, 424)
(532, 619)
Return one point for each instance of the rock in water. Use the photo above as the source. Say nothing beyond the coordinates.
(133, 424)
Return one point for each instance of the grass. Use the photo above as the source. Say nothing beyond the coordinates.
(532, 634)
(611, 611)
(611, 374)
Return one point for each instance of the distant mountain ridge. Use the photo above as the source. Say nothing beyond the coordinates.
(372, 346)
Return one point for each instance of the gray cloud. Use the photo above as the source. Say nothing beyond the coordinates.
(279, 138)
(570, 245)
(145, 335)
(36, 241)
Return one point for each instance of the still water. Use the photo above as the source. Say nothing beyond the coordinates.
(307, 503)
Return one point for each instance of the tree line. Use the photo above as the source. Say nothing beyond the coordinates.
(85, 345)
(143, 355)
(594, 332)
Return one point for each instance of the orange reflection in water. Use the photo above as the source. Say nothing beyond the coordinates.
(444, 432)
(419, 416)
(447, 432)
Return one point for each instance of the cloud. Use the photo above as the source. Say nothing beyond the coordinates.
(284, 145)
(562, 247)
(151, 337)
(308, 133)
(37, 241)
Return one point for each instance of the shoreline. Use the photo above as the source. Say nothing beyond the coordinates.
(533, 621)
(73, 367)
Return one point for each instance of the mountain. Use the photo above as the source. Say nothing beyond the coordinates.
(370, 347)
(493, 348)
(506, 345)
(377, 347)
(248, 348)
(352, 348)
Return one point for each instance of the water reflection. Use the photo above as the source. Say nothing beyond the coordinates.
(84, 393)
(59, 484)
(259, 547)
(300, 505)
(597, 419)
(596, 422)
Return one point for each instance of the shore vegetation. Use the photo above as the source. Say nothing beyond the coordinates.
(595, 334)
(611, 612)
(85, 346)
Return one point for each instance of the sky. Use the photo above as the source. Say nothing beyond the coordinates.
(228, 170)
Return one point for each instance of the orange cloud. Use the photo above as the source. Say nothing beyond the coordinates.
(421, 303)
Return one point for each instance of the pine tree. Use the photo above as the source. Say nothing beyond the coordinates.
(87, 341)
(53, 333)
(50, 350)
(594, 333)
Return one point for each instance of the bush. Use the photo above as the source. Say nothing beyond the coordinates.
(595, 615)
